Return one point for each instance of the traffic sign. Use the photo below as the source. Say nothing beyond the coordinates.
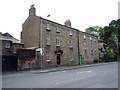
(41, 50)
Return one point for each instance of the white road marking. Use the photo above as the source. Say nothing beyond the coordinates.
(68, 81)
(84, 72)
(73, 79)
(64, 71)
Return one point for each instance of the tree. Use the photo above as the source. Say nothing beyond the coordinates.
(96, 31)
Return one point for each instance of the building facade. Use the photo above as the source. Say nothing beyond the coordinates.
(9, 44)
(63, 45)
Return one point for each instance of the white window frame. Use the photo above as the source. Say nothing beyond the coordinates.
(71, 56)
(71, 44)
(85, 45)
(57, 29)
(48, 56)
(57, 41)
(70, 33)
(48, 26)
(84, 37)
(7, 45)
(48, 39)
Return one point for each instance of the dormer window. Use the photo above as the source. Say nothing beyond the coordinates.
(70, 33)
(57, 29)
(48, 26)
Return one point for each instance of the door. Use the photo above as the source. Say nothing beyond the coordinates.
(58, 59)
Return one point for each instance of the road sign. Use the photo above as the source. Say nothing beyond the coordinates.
(41, 50)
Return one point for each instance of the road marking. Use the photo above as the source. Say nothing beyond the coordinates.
(84, 72)
(68, 81)
(64, 71)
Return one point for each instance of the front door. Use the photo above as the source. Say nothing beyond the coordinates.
(58, 59)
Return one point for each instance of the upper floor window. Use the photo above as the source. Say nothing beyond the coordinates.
(48, 39)
(7, 45)
(85, 45)
(70, 33)
(94, 40)
(48, 26)
(57, 29)
(71, 44)
(57, 41)
(85, 37)
(91, 38)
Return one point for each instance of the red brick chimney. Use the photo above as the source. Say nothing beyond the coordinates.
(32, 10)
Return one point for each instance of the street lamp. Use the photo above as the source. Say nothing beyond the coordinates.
(40, 44)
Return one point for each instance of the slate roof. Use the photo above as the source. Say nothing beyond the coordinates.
(8, 37)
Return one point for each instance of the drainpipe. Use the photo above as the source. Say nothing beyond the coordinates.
(78, 48)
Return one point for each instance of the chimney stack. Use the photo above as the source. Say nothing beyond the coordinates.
(32, 10)
(67, 23)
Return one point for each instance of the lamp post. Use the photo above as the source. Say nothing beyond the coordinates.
(40, 44)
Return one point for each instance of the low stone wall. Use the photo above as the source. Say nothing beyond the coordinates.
(23, 56)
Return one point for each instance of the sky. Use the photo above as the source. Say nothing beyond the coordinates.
(82, 13)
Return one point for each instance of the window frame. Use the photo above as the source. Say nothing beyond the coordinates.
(84, 36)
(71, 44)
(48, 39)
(70, 32)
(7, 45)
(57, 29)
(71, 56)
(48, 56)
(57, 41)
(48, 27)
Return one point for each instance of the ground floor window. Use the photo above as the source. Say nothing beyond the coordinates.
(71, 56)
(48, 55)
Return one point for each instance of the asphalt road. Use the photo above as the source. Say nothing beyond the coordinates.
(103, 76)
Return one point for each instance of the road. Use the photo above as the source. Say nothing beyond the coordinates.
(103, 76)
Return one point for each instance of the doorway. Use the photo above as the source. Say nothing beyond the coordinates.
(58, 59)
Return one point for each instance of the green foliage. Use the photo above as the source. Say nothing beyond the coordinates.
(96, 31)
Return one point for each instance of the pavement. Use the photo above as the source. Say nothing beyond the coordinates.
(46, 70)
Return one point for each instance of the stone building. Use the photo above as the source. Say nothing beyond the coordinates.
(8, 49)
(63, 45)
(9, 44)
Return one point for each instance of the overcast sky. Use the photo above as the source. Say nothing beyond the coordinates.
(82, 13)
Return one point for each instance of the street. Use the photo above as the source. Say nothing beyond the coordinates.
(103, 76)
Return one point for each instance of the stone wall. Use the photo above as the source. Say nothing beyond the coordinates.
(23, 56)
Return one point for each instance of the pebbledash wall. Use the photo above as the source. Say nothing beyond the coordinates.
(63, 45)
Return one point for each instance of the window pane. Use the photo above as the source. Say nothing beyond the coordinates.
(58, 41)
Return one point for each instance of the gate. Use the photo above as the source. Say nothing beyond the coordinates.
(9, 63)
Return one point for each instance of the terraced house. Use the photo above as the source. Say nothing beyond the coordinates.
(63, 45)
